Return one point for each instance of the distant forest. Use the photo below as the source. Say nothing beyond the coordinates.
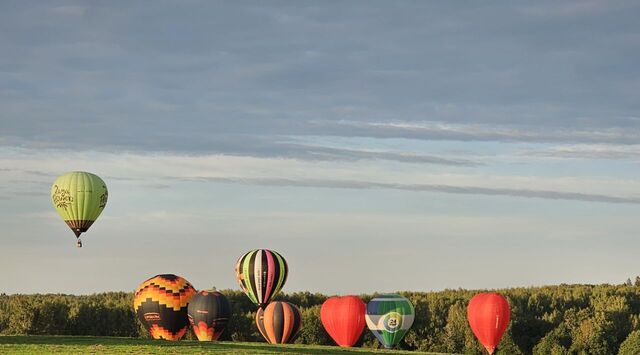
(564, 319)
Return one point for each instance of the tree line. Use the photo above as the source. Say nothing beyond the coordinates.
(556, 320)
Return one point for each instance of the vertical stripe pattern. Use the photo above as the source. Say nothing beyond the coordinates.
(257, 275)
(261, 274)
(279, 322)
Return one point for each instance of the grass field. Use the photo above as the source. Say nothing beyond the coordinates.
(111, 345)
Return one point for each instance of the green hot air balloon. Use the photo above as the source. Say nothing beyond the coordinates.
(79, 198)
(389, 317)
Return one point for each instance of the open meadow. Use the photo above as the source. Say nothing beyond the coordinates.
(115, 345)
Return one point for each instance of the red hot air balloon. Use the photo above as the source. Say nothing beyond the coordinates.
(488, 315)
(343, 318)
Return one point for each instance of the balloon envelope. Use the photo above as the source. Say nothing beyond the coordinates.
(389, 317)
(343, 318)
(79, 198)
(279, 322)
(209, 314)
(261, 274)
(161, 305)
(488, 315)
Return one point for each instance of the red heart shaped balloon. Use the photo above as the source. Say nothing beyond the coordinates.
(343, 318)
(488, 315)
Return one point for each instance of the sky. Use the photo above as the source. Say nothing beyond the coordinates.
(377, 145)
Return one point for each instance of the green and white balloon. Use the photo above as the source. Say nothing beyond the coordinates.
(389, 317)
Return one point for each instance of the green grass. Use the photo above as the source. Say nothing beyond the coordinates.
(112, 345)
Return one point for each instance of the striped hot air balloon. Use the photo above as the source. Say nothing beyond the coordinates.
(279, 322)
(161, 305)
(79, 198)
(261, 274)
(389, 317)
(209, 314)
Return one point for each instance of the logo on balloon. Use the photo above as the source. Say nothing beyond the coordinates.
(103, 198)
(62, 197)
(152, 316)
(392, 321)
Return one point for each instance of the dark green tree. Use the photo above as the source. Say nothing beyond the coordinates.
(312, 331)
(556, 342)
(631, 346)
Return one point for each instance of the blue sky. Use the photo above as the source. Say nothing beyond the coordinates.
(379, 146)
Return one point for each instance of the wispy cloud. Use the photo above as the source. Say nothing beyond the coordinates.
(69, 10)
(268, 147)
(469, 190)
(159, 170)
(314, 152)
(428, 130)
(589, 151)
(568, 10)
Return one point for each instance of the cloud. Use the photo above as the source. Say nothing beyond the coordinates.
(269, 147)
(589, 152)
(400, 157)
(468, 190)
(218, 76)
(158, 170)
(158, 186)
(568, 10)
(315, 152)
(427, 130)
(446, 101)
(69, 10)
